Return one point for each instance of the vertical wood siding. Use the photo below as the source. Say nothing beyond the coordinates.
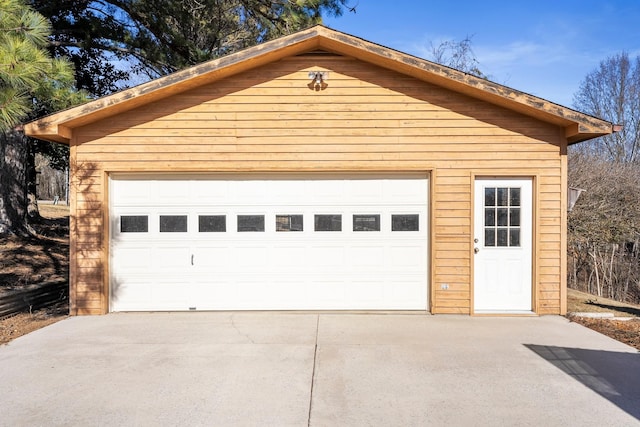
(366, 119)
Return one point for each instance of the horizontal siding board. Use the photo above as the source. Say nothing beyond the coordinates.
(453, 295)
(358, 145)
(314, 121)
(301, 153)
(460, 304)
(454, 144)
(450, 310)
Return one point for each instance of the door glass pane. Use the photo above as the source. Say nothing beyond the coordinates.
(489, 196)
(250, 223)
(173, 223)
(366, 223)
(514, 237)
(503, 199)
(405, 222)
(327, 222)
(514, 217)
(134, 224)
(514, 197)
(489, 236)
(288, 222)
(212, 223)
(489, 217)
(503, 218)
(502, 237)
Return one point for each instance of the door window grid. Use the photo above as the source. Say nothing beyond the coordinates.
(502, 212)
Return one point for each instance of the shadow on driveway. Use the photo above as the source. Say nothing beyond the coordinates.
(613, 375)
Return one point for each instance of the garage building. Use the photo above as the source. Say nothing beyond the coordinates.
(319, 171)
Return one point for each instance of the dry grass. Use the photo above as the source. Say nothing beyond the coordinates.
(29, 262)
(50, 211)
(582, 302)
(24, 323)
(627, 331)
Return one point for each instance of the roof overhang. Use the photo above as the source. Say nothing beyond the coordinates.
(59, 127)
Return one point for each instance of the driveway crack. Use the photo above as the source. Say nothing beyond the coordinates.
(313, 372)
(233, 323)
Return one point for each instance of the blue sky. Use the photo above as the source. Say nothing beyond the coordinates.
(542, 47)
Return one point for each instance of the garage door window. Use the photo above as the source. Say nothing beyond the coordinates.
(405, 222)
(212, 223)
(134, 224)
(327, 222)
(366, 223)
(250, 223)
(173, 223)
(289, 223)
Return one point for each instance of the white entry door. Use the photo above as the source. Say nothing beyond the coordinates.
(503, 246)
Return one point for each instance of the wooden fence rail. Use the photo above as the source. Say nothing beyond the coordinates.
(32, 299)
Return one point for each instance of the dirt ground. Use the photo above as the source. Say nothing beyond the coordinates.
(28, 262)
(627, 331)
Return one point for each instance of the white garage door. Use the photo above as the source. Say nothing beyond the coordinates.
(274, 242)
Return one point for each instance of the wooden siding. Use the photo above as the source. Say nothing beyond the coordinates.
(367, 119)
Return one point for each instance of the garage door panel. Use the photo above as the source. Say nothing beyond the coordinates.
(367, 292)
(211, 258)
(170, 192)
(210, 195)
(251, 258)
(406, 192)
(291, 258)
(133, 193)
(133, 259)
(290, 264)
(327, 293)
(164, 293)
(131, 295)
(170, 258)
(325, 255)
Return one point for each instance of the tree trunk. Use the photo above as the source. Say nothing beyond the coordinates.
(33, 214)
(13, 188)
(594, 254)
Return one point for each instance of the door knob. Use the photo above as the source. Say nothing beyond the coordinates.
(476, 250)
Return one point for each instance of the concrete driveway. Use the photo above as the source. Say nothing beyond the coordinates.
(274, 369)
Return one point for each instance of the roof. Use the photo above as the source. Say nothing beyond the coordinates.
(578, 126)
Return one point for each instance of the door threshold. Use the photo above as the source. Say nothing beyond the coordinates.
(515, 313)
